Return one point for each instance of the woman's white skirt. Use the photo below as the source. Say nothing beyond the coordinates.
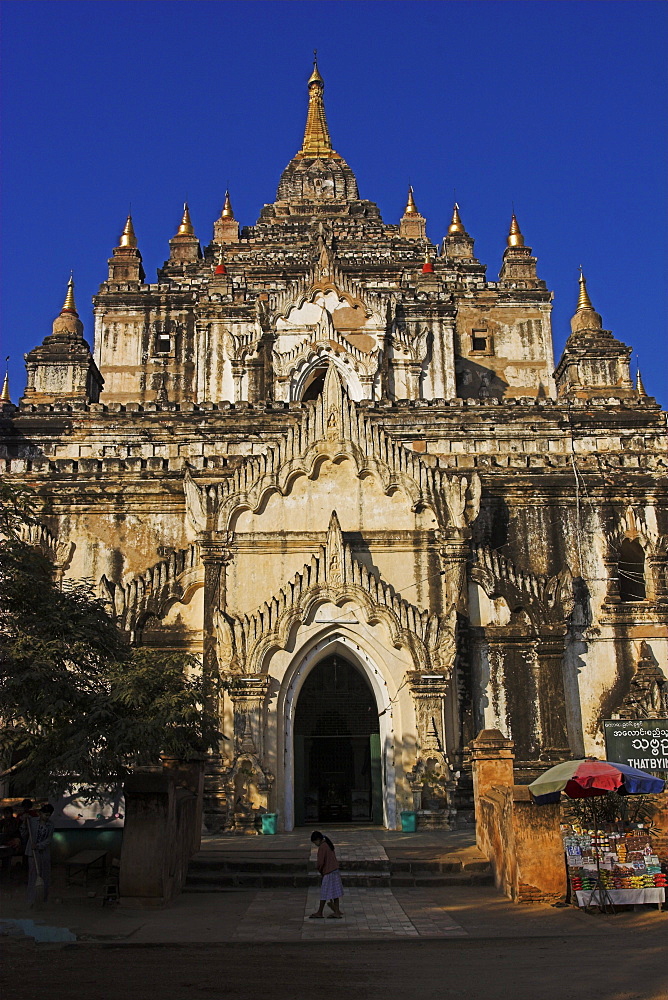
(331, 887)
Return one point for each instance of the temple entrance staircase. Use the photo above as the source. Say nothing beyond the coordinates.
(370, 857)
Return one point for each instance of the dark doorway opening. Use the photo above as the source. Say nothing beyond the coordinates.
(338, 776)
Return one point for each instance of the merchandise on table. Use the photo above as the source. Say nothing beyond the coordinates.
(612, 859)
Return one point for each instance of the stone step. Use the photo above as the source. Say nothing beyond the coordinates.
(210, 882)
(260, 867)
(219, 881)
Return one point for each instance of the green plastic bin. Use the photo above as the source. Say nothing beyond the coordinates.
(269, 823)
(408, 822)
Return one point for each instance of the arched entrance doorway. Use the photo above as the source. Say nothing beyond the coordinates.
(337, 754)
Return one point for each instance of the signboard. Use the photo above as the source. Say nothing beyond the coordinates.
(641, 743)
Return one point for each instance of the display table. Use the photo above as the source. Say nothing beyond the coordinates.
(620, 897)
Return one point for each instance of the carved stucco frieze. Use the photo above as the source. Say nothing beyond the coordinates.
(333, 574)
(151, 592)
(547, 600)
(336, 426)
(59, 551)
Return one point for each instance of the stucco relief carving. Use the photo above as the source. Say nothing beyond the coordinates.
(195, 502)
(334, 575)
(647, 697)
(336, 427)
(151, 592)
(60, 552)
(548, 601)
(638, 524)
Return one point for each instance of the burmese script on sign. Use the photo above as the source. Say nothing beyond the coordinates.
(640, 743)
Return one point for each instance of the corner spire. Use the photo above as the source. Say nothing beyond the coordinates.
(317, 143)
(227, 212)
(584, 302)
(128, 238)
(69, 304)
(4, 395)
(456, 224)
(640, 388)
(411, 207)
(186, 227)
(515, 238)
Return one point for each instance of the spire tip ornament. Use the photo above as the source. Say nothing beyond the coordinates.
(317, 143)
(69, 305)
(128, 238)
(456, 225)
(584, 302)
(186, 227)
(515, 238)
(411, 207)
(4, 395)
(640, 388)
(227, 212)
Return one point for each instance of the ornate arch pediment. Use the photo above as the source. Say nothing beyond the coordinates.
(59, 552)
(333, 576)
(547, 600)
(333, 427)
(150, 593)
(631, 524)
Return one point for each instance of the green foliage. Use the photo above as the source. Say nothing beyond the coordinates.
(612, 808)
(77, 702)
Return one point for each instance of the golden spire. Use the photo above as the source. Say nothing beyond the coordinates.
(227, 212)
(411, 207)
(584, 302)
(68, 304)
(4, 395)
(317, 143)
(186, 227)
(456, 226)
(640, 388)
(515, 238)
(128, 238)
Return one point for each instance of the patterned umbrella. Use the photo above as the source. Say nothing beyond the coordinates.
(580, 779)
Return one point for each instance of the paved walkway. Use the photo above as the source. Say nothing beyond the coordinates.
(263, 916)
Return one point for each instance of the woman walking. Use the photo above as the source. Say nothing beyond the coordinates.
(331, 888)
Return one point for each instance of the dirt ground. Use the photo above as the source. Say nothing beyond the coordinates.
(584, 968)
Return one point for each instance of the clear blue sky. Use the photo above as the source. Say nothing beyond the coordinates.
(559, 107)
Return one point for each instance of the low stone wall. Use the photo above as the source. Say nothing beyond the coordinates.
(521, 840)
(163, 820)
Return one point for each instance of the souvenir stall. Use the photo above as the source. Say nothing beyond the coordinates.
(608, 864)
(615, 865)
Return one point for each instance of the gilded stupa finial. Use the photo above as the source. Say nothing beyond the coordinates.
(456, 225)
(4, 395)
(69, 304)
(128, 238)
(315, 75)
(640, 388)
(515, 238)
(186, 227)
(411, 207)
(317, 143)
(227, 212)
(584, 302)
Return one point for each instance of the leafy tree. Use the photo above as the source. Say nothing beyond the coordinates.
(76, 701)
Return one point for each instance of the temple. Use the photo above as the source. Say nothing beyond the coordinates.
(338, 462)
